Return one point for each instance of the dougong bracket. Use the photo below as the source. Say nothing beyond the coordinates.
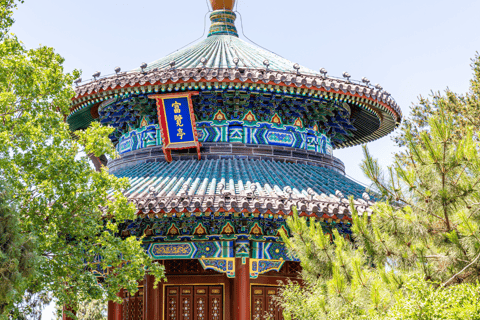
(260, 266)
(225, 265)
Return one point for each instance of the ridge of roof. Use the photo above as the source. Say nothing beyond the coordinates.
(222, 51)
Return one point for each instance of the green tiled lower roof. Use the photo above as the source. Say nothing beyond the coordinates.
(236, 175)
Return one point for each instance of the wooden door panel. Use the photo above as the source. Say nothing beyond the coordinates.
(258, 303)
(172, 305)
(186, 303)
(215, 296)
(201, 303)
(263, 303)
(272, 310)
(132, 306)
(194, 303)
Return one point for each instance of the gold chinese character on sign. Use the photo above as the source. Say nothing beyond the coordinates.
(176, 105)
(178, 118)
(180, 133)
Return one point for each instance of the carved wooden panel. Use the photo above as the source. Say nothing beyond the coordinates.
(201, 302)
(289, 269)
(215, 297)
(194, 303)
(186, 266)
(186, 303)
(263, 303)
(172, 303)
(258, 303)
(133, 306)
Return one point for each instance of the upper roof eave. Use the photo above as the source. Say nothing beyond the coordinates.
(243, 75)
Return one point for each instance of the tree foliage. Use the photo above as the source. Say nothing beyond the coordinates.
(421, 242)
(56, 200)
(17, 256)
(465, 109)
(88, 310)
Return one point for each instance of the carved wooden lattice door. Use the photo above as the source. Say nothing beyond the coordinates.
(194, 303)
(263, 304)
(133, 306)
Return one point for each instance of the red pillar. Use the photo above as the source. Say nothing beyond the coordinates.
(241, 304)
(115, 309)
(149, 298)
(119, 307)
(112, 308)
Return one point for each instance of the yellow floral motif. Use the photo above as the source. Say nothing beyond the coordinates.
(160, 250)
(178, 118)
(180, 133)
(176, 105)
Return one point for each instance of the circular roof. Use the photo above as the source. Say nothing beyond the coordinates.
(222, 52)
(240, 183)
(223, 60)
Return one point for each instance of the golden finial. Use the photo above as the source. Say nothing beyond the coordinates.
(223, 18)
(222, 4)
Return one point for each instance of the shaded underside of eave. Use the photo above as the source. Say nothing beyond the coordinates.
(367, 125)
(81, 120)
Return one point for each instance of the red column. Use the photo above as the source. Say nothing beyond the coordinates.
(115, 309)
(112, 309)
(241, 304)
(149, 298)
(119, 307)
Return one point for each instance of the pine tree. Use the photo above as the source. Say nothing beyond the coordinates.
(423, 237)
(465, 109)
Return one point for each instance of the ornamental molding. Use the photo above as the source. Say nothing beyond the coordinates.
(226, 265)
(261, 266)
(244, 75)
(281, 202)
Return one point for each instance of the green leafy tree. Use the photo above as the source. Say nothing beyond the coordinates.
(88, 310)
(422, 240)
(17, 256)
(56, 200)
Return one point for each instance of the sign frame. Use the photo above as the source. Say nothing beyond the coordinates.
(167, 145)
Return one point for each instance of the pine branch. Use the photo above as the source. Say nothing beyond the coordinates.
(461, 271)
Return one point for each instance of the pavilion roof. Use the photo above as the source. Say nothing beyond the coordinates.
(242, 185)
(220, 52)
(224, 60)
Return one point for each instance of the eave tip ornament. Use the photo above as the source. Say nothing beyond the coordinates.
(222, 4)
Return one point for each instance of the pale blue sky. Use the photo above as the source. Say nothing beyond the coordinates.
(409, 47)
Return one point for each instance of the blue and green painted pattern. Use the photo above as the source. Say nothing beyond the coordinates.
(247, 116)
(261, 266)
(234, 131)
(270, 250)
(223, 23)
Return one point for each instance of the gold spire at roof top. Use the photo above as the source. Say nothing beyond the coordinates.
(222, 4)
(223, 18)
